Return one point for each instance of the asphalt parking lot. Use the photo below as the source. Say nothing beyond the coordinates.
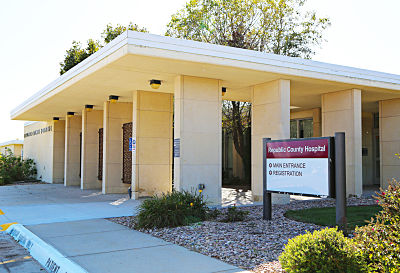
(14, 258)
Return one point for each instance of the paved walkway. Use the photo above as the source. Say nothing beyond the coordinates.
(50, 203)
(103, 246)
(71, 221)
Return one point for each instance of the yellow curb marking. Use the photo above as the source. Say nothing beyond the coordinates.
(6, 226)
(16, 260)
(1, 212)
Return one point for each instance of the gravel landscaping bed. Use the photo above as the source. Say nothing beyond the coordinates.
(253, 244)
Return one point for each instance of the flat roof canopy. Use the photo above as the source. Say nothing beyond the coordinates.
(134, 58)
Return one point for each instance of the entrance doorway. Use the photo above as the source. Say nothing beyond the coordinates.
(301, 128)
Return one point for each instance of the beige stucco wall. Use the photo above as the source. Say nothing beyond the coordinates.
(16, 149)
(91, 123)
(341, 112)
(389, 131)
(315, 114)
(39, 147)
(198, 120)
(152, 130)
(58, 151)
(73, 128)
(114, 116)
(270, 119)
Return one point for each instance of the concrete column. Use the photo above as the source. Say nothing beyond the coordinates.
(270, 118)
(198, 118)
(341, 112)
(91, 123)
(114, 116)
(152, 132)
(389, 133)
(73, 127)
(58, 152)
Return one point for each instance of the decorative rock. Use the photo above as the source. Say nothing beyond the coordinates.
(252, 244)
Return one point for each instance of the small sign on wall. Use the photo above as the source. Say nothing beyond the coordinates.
(132, 144)
(177, 147)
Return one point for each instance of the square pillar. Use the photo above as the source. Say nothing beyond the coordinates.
(91, 123)
(114, 116)
(152, 133)
(198, 136)
(270, 117)
(58, 152)
(341, 112)
(72, 166)
(389, 134)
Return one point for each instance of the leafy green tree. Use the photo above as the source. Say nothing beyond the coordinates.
(14, 168)
(72, 57)
(276, 26)
(110, 33)
(77, 54)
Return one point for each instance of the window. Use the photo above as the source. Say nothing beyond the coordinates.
(301, 128)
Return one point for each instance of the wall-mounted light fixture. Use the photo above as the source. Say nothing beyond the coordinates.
(223, 91)
(70, 114)
(88, 107)
(113, 98)
(55, 119)
(155, 84)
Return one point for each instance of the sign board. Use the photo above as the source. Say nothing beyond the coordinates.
(132, 144)
(177, 147)
(299, 166)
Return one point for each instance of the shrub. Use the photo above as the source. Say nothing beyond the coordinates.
(14, 168)
(171, 210)
(380, 239)
(213, 214)
(233, 214)
(324, 250)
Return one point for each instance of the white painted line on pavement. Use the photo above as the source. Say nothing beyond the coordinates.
(49, 257)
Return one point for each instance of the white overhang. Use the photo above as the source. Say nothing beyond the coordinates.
(133, 58)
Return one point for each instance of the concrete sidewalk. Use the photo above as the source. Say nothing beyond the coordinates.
(50, 203)
(102, 246)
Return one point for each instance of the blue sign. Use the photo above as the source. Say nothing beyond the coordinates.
(177, 147)
(132, 144)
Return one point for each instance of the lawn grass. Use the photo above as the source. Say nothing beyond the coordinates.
(356, 216)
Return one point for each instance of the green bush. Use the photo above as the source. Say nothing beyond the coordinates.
(213, 214)
(324, 250)
(233, 214)
(380, 239)
(171, 210)
(14, 168)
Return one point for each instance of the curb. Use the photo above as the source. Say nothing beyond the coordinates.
(49, 257)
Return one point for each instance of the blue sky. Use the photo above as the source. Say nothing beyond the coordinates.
(35, 35)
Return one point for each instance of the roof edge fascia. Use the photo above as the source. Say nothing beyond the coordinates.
(316, 69)
(105, 51)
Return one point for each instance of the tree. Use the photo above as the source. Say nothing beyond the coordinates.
(110, 33)
(77, 54)
(236, 120)
(276, 26)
